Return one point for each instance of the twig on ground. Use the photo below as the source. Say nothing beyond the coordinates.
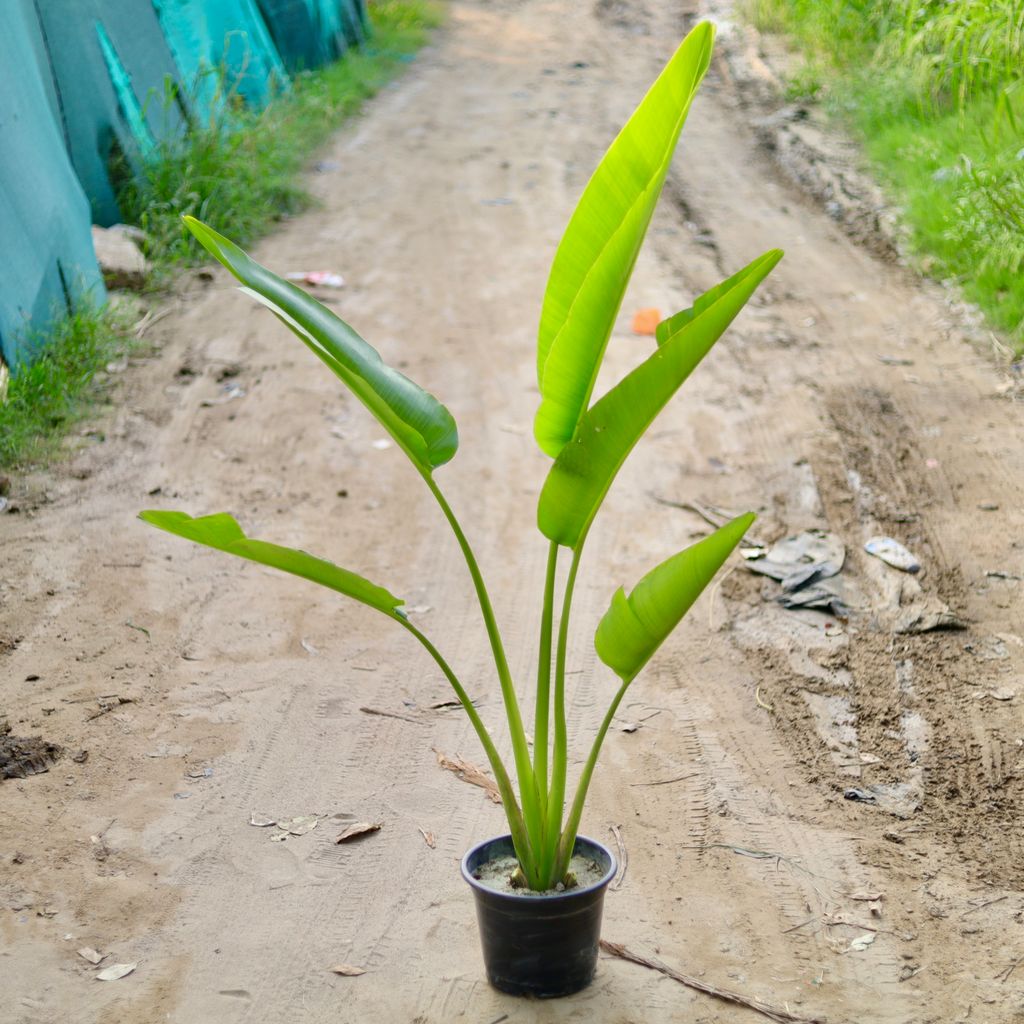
(390, 714)
(715, 517)
(769, 1011)
(761, 703)
(623, 857)
(1004, 975)
(151, 318)
(107, 708)
(838, 920)
(667, 782)
(982, 906)
(797, 927)
(713, 593)
(760, 855)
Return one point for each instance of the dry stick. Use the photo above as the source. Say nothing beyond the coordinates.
(105, 709)
(711, 597)
(623, 857)
(797, 927)
(391, 714)
(760, 855)
(771, 1012)
(667, 782)
(151, 318)
(982, 906)
(1004, 975)
(712, 516)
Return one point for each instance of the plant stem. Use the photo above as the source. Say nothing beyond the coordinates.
(524, 769)
(559, 757)
(572, 823)
(520, 838)
(540, 726)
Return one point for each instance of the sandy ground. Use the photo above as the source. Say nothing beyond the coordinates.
(845, 398)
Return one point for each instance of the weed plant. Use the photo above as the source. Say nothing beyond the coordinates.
(63, 384)
(242, 167)
(934, 89)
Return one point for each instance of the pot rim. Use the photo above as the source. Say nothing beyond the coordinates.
(479, 886)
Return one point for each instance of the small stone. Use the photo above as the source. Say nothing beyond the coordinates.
(120, 259)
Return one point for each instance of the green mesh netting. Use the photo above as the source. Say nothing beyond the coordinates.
(87, 88)
(45, 242)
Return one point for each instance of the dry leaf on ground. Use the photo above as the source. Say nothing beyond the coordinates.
(115, 971)
(90, 954)
(357, 829)
(469, 772)
(299, 826)
(348, 971)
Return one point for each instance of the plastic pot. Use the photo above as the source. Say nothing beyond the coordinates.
(542, 946)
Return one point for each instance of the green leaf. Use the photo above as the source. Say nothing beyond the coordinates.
(634, 627)
(584, 470)
(595, 259)
(222, 532)
(751, 275)
(418, 422)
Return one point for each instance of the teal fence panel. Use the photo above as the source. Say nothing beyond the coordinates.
(222, 48)
(87, 90)
(110, 65)
(295, 27)
(46, 255)
(309, 33)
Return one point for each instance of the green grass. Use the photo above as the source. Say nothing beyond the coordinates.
(241, 172)
(935, 91)
(63, 385)
(244, 177)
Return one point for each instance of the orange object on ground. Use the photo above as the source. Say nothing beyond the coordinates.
(645, 321)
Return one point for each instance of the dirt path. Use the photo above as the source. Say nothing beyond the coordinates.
(746, 864)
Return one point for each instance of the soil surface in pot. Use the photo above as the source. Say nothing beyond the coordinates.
(496, 874)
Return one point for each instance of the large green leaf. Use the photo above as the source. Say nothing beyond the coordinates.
(634, 627)
(595, 259)
(584, 470)
(222, 532)
(754, 273)
(417, 421)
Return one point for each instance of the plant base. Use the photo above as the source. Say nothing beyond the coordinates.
(539, 945)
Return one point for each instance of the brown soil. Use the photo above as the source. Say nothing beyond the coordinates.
(205, 690)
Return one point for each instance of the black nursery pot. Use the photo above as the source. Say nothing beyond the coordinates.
(542, 946)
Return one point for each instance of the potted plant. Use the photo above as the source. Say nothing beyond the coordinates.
(541, 935)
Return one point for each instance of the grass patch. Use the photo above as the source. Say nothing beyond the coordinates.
(62, 385)
(241, 172)
(935, 91)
